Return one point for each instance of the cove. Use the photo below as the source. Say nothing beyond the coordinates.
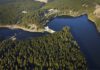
(6, 33)
(86, 35)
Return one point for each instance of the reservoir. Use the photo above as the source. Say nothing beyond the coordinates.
(82, 29)
(86, 35)
(6, 33)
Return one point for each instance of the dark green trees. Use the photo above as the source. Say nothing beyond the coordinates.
(58, 51)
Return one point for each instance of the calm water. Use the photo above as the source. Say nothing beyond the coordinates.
(85, 33)
(6, 33)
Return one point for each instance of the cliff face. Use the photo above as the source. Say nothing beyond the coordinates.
(45, 1)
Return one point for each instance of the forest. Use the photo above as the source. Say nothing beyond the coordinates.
(58, 51)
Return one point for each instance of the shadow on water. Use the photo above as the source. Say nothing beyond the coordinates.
(86, 35)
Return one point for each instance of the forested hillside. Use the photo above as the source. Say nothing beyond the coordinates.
(58, 51)
(12, 11)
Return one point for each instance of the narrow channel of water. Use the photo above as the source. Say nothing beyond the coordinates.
(6, 33)
(85, 33)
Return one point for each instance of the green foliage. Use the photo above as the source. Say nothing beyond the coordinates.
(11, 10)
(58, 51)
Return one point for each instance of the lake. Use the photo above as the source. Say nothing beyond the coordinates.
(86, 35)
(6, 33)
(82, 29)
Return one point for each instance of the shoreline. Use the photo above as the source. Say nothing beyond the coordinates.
(21, 27)
(70, 16)
(14, 26)
(46, 29)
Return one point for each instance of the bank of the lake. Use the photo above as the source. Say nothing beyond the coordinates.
(45, 29)
(90, 16)
(22, 27)
(16, 32)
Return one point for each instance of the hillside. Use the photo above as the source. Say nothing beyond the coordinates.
(12, 11)
(58, 51)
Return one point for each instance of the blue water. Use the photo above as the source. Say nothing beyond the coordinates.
(6, 33)
(83, 31)
(86, 35)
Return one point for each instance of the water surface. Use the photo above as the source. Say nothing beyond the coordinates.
(86, 35)
(6, 33)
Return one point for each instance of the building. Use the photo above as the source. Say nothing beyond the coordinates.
(51, 11)
(24, 12)
(45, 1)
(47, 29)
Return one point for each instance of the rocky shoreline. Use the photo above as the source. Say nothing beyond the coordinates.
(46, 29)
(21, 27)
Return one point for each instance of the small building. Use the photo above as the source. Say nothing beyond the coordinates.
(46, 28)
(49, 30)
(45, 1)
(24, 12)
(51, 11)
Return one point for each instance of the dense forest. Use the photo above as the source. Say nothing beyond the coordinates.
(58, 51)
